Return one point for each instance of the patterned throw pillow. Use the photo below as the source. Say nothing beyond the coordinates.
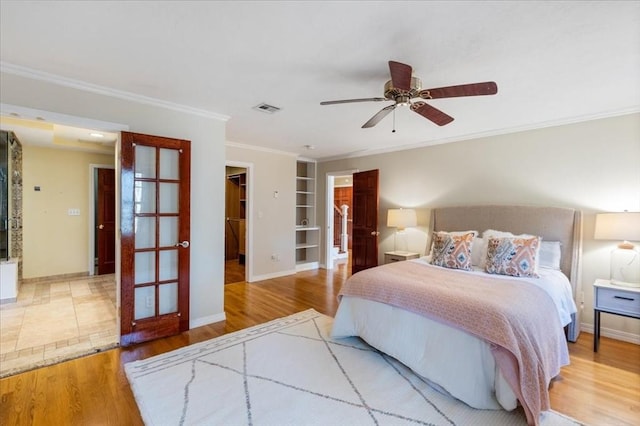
(452, 250)
(514, 256)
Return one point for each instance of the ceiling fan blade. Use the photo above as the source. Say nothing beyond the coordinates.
(348, 101)
(474, 89)
(431, 113)
(379, 116)
(400, 75)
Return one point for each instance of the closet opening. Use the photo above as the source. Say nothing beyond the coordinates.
(235, 235)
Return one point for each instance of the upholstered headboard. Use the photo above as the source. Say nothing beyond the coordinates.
(550, 223)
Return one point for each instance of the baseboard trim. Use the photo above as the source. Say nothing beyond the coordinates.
(612, 333)
(59, 277)
(199, 322)
(270, 276)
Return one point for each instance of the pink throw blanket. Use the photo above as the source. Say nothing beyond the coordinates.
(518, 319)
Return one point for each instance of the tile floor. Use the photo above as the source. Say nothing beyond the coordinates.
(55, 320)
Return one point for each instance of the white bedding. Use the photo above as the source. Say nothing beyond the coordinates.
(455, 361)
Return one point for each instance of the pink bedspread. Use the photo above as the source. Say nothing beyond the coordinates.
(518, 319)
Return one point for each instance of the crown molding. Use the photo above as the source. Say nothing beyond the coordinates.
(495, 132)
(259, 148)
(21, 71)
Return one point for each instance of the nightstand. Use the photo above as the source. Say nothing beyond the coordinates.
(397, 256)
(613, 299)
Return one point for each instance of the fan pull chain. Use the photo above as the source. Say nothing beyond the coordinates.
(394, 121)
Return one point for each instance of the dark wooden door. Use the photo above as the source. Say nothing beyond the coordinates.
(364, 252)
(155, 212)
(106, 227)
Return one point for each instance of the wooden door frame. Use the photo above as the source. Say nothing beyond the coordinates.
(248, 267)
(328, 238)
(91, 209)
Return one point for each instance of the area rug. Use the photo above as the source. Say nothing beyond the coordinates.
(291, 372)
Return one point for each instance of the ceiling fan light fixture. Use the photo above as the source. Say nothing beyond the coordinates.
(403, 100)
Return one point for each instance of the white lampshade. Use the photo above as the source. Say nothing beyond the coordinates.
(618, 226)
(625, 260)
(401, 218)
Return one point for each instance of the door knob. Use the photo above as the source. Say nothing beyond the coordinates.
(184, 244)
(101, 226)
(375, 233)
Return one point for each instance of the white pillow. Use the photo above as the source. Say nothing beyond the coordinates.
(550, 255)
(476, 251)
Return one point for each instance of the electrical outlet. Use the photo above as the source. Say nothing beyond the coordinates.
(73, 212)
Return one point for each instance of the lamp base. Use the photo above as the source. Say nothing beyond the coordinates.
(625, 267)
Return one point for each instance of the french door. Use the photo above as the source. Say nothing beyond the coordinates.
(155, 212)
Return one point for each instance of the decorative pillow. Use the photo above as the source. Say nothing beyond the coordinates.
(452, 250)
(514, 256)
(455, 233)
(550, 255)
(485, 242)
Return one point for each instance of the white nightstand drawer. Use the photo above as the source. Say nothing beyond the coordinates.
(618, 301)
(398, 256)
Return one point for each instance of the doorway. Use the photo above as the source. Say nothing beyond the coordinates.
(339, 219)
(102, 220)
(61, 310)
(236, 223)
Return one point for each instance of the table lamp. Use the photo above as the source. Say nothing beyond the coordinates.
(401, 219)
(625, 259)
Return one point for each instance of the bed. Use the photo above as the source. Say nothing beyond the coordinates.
(448, 325)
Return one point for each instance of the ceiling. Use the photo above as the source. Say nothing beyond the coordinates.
(42, 133)
(554, 63)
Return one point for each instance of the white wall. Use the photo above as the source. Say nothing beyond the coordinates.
(272, 219)
(207, 136)
(55, 243)
(592, 166)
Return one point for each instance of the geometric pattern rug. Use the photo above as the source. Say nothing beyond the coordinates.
(291, 372)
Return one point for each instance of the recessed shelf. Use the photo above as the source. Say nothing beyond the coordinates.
(307, 246)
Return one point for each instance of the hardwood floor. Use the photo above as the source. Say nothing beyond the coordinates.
(233, 271)
(598, 389)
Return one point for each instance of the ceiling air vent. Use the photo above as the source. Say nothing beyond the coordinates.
(269, 109)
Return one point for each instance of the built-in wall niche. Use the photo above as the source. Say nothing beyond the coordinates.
(307, 232)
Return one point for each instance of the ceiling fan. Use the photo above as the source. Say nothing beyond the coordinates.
(403, 88)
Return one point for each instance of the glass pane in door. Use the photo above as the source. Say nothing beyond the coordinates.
(145, 165)
(145, 229)
(145, 197)
(145, 270)
(168, 298)
(168, 198)
(168, 265)
(168, 231)
(145, 302)
(169, 161)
